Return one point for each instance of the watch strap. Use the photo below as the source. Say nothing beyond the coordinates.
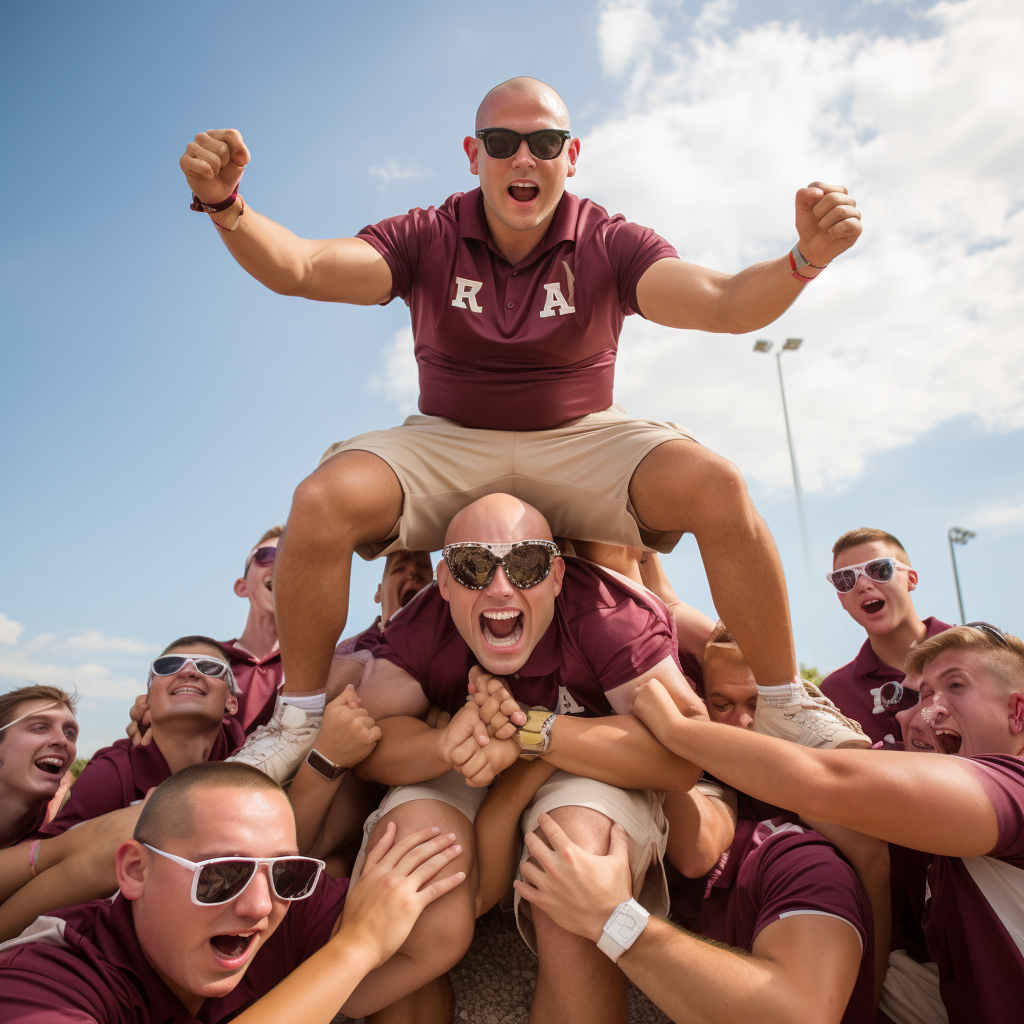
(200, 207)
(324, 766)
(616, 939)
(535, 736)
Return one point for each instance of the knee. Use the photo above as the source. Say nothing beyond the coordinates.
(443, 933)
(723, 482)
(590, 830)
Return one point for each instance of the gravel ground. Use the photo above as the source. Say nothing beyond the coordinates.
(499, 953)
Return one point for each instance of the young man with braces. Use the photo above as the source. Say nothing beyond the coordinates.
(874, 580)
(219, 918)
(569, 640)
(518, 291)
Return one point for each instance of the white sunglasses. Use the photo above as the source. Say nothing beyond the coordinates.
(878, 570)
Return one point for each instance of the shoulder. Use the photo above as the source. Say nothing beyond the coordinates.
(588, 588)
(842, 676)
(1002, 778)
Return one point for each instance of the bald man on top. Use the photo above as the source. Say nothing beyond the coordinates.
(518, 291)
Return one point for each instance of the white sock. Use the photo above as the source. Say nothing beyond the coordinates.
(785, 693)
(309, 702)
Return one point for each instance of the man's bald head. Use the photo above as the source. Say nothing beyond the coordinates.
(498, 519)
(530, 93)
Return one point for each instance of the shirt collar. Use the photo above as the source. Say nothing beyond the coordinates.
(239, 653)
(473, 222)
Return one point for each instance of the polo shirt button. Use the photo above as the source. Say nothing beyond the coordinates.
(511, 304)
(514, 272)
(516, 675)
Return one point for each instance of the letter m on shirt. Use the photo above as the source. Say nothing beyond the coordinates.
(465, 294)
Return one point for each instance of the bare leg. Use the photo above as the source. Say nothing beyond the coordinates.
(354, 498)
(684, 486)
(440, 937)
(576, 982)
(432, 1004)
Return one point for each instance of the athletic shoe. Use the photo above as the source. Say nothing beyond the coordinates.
(810, 719)
(280, 746)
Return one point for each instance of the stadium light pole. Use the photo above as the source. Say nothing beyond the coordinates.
(790, 345)
(958, 535)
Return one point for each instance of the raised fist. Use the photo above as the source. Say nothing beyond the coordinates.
(827, 221)
(213, 164)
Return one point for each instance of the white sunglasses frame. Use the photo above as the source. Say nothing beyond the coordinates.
(196, 867)
(500, 551)
(233, 687)
(858, 571)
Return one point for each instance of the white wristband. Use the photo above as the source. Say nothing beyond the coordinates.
(622, 929)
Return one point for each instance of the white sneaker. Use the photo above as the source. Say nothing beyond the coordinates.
(810, 719)
(280, 746)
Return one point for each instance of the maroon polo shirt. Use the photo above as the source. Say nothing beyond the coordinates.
(855, 687)
(908, 887)
(86, 965)
(981, 967)
(605, 632)
(259, 680)
(121, 774)
(359, 641)
(521, 346)
(776, 869)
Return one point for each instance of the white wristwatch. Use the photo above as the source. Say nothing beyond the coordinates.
(622, 929)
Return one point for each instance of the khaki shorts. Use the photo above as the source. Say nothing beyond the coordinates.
(638, 811)
(577, 474)
(910, 993)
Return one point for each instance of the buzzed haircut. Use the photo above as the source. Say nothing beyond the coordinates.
(274, 531)
(168, 811)
(10, 701)
(720, 640)
(191, 641)
(1003, 651)
(866, 535)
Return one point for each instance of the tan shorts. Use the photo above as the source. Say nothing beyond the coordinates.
(910, 993)
(638, 811)
(577, 474)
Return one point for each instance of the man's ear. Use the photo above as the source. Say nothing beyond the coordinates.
(444, 579)
(230, 704)
(911, 579)
(241, 587)
(472, 147)
(558, 573)
(130, 865)
(1016, 713)
(574, 155)
(376, 596)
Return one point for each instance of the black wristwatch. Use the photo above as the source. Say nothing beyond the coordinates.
(328, 769)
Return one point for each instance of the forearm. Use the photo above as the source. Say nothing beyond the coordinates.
(497, 827)
(756, 296)
(618, 750)
(311, 795)
(701, 829)
(406, 754)
(696, 982)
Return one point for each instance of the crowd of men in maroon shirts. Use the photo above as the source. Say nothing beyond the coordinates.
(531, 726)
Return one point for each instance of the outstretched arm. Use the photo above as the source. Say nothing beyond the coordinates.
(332, 270)
(679, 294)
(930, 802)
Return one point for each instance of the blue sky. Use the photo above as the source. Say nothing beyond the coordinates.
(157, 406)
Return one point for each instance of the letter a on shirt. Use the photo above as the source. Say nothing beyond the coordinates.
(556, 301)
(465, 294)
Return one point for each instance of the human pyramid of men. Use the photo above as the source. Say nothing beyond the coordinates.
(297, 827)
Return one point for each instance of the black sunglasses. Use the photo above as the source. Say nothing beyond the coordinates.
(502, 143)
(526, 562)
(993, 632)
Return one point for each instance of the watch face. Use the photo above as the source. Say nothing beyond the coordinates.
(622, 926)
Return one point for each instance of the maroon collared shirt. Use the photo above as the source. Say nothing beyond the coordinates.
(521, 346)
(259, 680)
(86, 965)
(981, 968)
(121, 774)
(776, 869)
(855, 690)
(605, 632)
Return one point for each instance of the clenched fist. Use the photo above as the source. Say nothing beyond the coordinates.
(213, 164)
(827, 221)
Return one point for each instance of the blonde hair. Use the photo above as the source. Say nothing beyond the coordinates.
(1004, 651)
(865, 535)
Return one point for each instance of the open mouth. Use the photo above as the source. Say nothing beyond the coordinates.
(232, 947)
(949, 742)
(501, 628)
(522, 192)
(924, 745)
(873, 606)
(51, 765)
(406, 597)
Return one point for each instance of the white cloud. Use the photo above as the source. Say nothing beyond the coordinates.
(1000, 517)
(88, 678)
(96, 640)
(713, 15)
(920, 322)
(9, 630)
(394, 171)
(625, 32)
(399, 379)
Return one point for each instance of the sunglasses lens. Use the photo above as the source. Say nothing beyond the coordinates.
(223, 880)
(501, 144)
(295, 877)
(265, 556)
(546, 145)
(168, 664)
(473, 567)
(844, 580)
(209, 667)
(881, 571)
(527, 565)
